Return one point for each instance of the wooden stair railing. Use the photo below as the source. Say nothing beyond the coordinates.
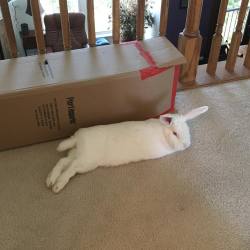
(116, 21)
(91, 23)
(65, 24)
(217, 39)
(189, 44)
(38, 26)
(190, 41)
(235, 68)
(164, 17)
(236, 39)
(140, 19)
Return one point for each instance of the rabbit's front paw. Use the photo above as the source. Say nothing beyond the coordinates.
(65, 176)
(51, 179)
(58, 186)
(61, 165)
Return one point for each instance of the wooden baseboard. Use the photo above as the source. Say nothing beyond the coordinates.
(203, 79)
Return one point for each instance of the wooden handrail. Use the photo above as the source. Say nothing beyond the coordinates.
(38, 26)
(190, 41)
(116, 21)
(65, 24)
(9, 27)
(91, 23)
(140, 19)
(164, 17)
(217, 39)
(236, 39)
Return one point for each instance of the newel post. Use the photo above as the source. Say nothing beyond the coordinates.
(190, 41)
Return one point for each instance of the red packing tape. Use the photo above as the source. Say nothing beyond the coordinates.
(174, 89)
(153, 69)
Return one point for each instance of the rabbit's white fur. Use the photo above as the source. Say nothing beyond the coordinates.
(121, 143)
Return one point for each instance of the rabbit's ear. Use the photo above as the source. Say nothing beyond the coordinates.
(195, 112)
(166, 119)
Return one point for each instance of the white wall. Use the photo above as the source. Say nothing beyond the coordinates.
(18, 15)
(21, 16)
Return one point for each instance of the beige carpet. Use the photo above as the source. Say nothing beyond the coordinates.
(196, 199)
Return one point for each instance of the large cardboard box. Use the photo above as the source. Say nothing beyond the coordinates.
(50, 96)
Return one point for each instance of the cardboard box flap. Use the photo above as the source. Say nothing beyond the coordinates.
(163, 52)
(84, 64)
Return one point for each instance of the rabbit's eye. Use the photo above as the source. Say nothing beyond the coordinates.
(174, 133)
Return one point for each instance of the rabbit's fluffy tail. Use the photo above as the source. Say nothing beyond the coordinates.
(67, 144)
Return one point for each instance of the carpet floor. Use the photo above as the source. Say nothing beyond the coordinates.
(195, 199)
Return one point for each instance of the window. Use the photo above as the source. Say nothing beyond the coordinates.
(103, 15)
(52, 6)
(103, 11)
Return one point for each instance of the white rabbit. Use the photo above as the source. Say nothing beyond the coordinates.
(121, 143)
